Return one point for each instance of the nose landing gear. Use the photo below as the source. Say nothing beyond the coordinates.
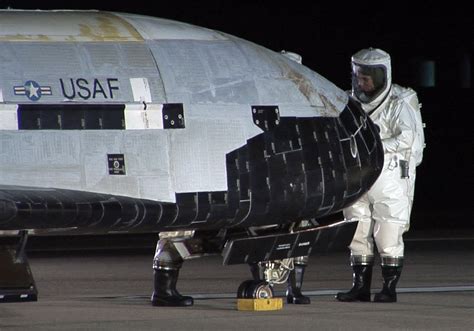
(255, 289)
(257, 295)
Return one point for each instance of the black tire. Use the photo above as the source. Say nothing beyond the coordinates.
(243, 288)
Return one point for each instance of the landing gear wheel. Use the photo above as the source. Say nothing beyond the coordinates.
(260, 290)
(242, 290)
(255, 289)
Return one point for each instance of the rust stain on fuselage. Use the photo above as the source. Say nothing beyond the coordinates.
(305, 86)
(108, 30)
(82, 27)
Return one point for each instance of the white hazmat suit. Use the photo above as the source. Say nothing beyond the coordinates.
(384, 211)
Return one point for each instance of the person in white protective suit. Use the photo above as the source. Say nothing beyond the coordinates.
(384, 211)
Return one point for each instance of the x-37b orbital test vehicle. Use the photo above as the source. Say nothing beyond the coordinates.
(115, 122)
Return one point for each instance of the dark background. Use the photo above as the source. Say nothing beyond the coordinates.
(327, 34)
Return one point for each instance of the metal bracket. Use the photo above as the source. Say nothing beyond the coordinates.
(173, 116)
(266, 118)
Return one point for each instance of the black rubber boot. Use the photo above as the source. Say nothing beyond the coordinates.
(295, 282)
(165, 293)
(361, 279)
(256, 271)
(390, 275)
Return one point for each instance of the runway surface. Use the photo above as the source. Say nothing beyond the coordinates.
(109, 290)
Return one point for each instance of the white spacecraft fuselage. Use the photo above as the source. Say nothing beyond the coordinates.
(99, 107)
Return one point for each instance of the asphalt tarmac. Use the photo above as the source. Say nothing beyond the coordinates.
(110, 290)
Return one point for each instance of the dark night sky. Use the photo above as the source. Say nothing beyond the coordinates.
(327, 34)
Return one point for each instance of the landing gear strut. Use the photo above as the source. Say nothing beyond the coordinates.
(16, 280)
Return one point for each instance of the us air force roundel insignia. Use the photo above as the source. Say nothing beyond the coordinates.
(32, 90)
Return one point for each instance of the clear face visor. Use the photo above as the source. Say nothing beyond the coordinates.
(368, 82)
